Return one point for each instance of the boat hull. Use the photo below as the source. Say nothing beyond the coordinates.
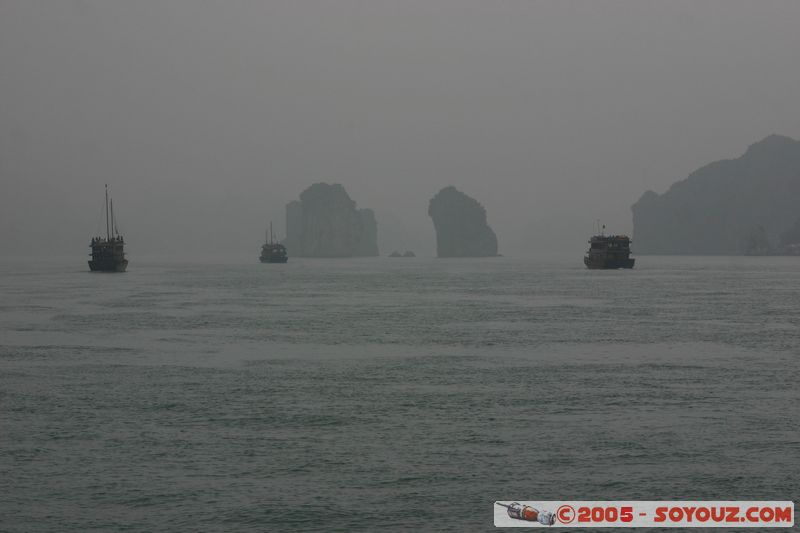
(607, 263)
(273, 259)
(273, 252)
(108, 266)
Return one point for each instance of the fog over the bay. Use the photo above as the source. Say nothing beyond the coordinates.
(206, 118)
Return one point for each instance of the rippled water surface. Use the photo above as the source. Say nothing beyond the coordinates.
(407, 394)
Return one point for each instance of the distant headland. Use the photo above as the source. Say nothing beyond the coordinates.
(747, 205)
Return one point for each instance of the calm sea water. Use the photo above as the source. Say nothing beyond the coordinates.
(405, 394)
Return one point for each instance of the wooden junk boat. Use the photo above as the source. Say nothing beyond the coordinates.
(108, 253)
(271, 251)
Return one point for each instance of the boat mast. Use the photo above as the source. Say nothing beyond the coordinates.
(113, 220)
(271, 235)
(108, 229)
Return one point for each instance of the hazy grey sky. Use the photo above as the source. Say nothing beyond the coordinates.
(206, 118)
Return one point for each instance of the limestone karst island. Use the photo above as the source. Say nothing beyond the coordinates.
(461, 227)
(325, 222)
(737, 206)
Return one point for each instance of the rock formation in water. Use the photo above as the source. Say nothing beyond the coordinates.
(461, 228)
(735, 206)
(326, 223)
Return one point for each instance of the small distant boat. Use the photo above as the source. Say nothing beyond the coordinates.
(608, 252)
(408, 253)
(108, 253)
(271, 251)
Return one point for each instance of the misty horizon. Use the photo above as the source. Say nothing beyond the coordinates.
(206, 120)
(196, 375)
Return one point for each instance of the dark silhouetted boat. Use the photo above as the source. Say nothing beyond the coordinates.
(108, 253)
(271, 251)
(609, 251)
